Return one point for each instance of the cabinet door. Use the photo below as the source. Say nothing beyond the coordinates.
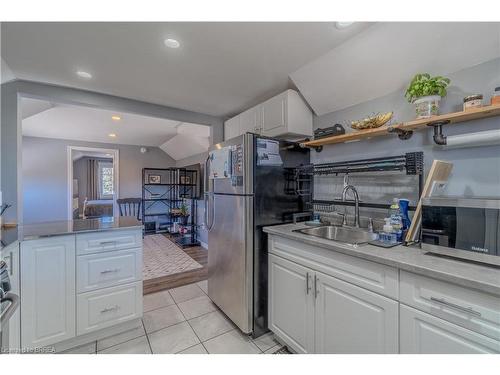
(350, 319)
(47, 291)
(250, 120)
(232, 128)
(291, 305)
(274, 115)
(422, 333)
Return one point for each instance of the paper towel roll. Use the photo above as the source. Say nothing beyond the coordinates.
(486, 138)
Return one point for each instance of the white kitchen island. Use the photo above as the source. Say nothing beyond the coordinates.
(80, 281)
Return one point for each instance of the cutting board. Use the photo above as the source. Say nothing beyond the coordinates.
(440, 171)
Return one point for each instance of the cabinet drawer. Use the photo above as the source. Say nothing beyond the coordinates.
(106, 307)
(477, 311)
(88, 243)
(96, 271)
(421, 333)
(373, 276)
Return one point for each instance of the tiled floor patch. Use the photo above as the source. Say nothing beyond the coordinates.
(185, 321)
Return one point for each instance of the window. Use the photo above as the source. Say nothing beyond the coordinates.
(106, 186)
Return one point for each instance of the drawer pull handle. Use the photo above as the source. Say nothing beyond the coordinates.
(110, 271)
(108, 309)
(104, 243)
(468, 310)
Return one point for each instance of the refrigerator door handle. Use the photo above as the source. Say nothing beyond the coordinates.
(206, 217)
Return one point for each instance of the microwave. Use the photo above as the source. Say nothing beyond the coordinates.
(466, 228)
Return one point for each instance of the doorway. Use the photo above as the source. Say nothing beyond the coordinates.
(93, 182)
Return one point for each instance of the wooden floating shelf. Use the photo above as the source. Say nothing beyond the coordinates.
(453, 118)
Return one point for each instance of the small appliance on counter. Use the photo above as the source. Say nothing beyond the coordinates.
(467, 228)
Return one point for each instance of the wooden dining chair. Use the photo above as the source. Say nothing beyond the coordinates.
(130, 207)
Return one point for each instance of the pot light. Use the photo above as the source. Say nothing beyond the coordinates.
(116, 118)
(83, 74)
(343, 25)
(172, 43)
(112, 135)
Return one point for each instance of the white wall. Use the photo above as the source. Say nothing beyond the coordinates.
(44, 174)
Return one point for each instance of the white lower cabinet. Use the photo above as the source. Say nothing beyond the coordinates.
(316, 313)
(350, 319)
(79, 284)
(291, 304)
(422, 333)
(47, 291)
(103, 308)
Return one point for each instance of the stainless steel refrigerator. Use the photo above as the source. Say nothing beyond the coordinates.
(249, 184)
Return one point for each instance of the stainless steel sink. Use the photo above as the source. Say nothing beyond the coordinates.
(343, 234)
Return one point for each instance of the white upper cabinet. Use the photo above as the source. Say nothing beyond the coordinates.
(274, 114)
(232, 128)
(284, 116)
(251, 121)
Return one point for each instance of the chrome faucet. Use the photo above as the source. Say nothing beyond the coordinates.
(356, 203)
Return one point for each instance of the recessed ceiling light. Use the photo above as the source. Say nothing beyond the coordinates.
(116, 118)
(112, 135)
(172, 43)
(343, 25)
(83, 74)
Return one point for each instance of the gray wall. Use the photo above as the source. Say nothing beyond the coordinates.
(45, 177)
(11, 134)
(476, 171)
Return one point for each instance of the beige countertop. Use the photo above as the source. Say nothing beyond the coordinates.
(59, 228)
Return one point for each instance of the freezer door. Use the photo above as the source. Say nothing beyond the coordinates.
(230, 166)
(230, 267)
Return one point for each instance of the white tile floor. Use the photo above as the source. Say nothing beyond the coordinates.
(182, 320)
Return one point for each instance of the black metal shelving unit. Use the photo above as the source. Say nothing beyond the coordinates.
(164, 191)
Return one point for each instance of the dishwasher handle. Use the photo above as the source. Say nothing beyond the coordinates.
(11, 309)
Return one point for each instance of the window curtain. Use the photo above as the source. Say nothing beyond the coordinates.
(92, 179)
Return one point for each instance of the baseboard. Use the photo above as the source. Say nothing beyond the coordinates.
(204, 245)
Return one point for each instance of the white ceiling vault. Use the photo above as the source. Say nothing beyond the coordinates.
(52, 120)
(384, 58)
(220, 68)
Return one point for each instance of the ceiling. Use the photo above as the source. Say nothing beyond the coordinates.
(219, 69)
(382, 60)
(52, 120)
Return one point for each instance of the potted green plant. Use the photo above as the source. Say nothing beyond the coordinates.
(426, 93)
(183, 214)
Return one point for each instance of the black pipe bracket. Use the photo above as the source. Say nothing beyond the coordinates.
(438, 137)
(402, 134)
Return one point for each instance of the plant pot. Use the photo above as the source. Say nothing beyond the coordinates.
(427, 106)
(183, 220)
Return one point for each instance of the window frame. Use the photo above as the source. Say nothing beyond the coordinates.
(101, 166)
